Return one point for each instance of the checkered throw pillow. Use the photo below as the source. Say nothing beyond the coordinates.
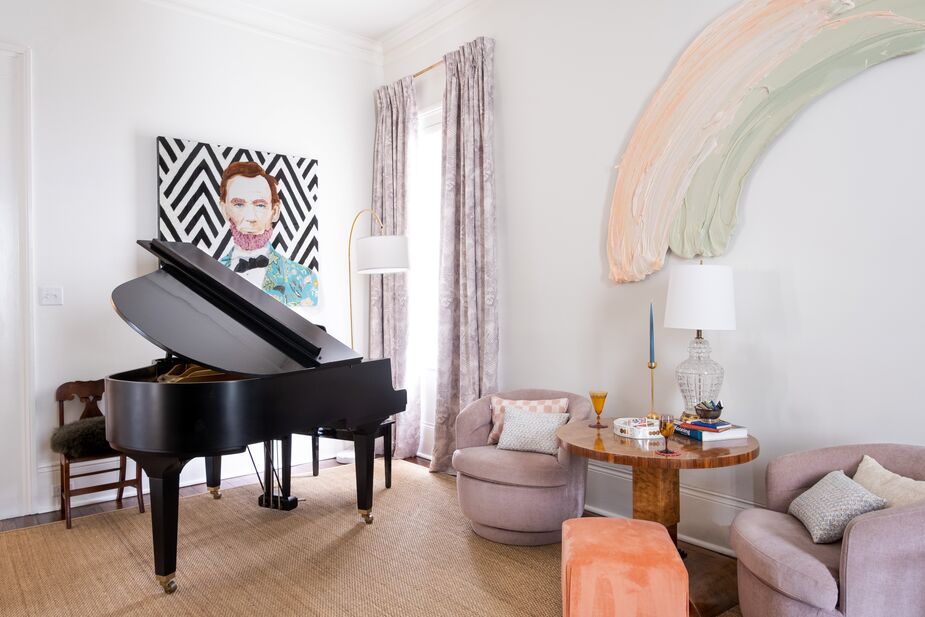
(498, 405)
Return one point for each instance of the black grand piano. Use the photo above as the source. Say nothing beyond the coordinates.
(241, 368)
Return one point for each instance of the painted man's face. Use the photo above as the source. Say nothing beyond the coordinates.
(248, 205)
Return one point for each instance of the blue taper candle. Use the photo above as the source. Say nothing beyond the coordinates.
(651, 334)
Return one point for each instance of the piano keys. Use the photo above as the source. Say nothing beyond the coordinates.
(264, 373)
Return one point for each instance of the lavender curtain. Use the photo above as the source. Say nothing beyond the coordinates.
(388, 301)
(467, 356)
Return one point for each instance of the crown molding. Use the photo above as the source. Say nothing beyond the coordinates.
(281, 27)
(427, 21)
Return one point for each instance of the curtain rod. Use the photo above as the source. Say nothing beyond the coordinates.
(427, 68)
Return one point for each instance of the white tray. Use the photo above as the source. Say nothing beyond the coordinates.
(636, 428)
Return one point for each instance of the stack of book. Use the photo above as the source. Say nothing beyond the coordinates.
(710, 431)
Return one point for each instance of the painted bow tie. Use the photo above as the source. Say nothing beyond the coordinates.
(253, 262)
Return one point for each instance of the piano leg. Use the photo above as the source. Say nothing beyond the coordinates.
(164, 478)
(315, 450)
(364, 447)
(214, 476)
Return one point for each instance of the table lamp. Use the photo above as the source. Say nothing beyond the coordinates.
(700, 298)
(375, 255)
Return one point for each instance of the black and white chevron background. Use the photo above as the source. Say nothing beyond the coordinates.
(188, 177)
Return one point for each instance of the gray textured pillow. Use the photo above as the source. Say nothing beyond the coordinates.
(827, 508)
(531, 432)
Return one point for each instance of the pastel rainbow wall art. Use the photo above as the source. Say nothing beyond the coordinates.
(730, 94)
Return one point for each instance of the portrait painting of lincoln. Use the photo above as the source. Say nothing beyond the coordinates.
(253, 211)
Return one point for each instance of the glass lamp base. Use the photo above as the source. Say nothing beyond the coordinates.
(699, 378)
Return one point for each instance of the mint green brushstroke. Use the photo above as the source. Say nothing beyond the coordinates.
(708, 214)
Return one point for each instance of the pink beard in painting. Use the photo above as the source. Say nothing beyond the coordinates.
(249, 242)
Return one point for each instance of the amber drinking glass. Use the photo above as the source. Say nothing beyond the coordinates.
(666, 429)
(597, 401)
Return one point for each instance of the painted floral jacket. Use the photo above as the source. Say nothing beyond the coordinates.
(288, 281)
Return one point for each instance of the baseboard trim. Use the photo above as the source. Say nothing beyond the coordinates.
(48, 475)
(698, 499)
(716, 548)
(722, 499)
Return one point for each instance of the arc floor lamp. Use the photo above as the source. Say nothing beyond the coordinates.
(375, 255)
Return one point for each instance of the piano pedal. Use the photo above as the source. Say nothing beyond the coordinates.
(168, 582)
(279, 503)
(216, 492)
(367, 516)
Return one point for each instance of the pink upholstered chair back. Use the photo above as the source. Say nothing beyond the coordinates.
(792, 474)
(474, 422)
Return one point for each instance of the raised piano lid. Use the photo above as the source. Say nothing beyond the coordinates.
(197, 309)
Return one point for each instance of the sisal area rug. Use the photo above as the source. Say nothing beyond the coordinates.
(419, 558)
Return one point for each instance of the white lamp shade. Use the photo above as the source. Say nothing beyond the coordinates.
(700, 298)
(382, 254)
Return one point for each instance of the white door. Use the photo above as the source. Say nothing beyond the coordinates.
(13, 446)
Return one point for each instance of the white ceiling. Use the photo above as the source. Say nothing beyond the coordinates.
(368, 18)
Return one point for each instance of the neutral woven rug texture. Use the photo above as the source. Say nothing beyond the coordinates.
(419, 558)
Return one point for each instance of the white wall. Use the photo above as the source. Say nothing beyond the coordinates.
(829, 292)
(111, 75)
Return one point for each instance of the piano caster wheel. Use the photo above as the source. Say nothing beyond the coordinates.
(367, 516)
(168, 583)
(216, 492)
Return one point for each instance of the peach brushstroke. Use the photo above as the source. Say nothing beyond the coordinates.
(729, 94)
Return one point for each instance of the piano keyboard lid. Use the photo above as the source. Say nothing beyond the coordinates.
(197, 309)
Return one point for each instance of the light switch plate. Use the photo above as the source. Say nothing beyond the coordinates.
(51, 296)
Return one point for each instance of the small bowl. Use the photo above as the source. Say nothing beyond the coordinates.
(708, 415)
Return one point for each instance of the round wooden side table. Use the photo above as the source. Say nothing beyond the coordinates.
(656, 485)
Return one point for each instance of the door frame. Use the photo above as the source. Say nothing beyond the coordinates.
(23, 56)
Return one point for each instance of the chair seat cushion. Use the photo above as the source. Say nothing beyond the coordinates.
(511, 467)
(82, 438)
(778, 550)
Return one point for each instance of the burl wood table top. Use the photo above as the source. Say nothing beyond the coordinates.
(604, 445)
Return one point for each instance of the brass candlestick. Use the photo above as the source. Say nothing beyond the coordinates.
(652, 415)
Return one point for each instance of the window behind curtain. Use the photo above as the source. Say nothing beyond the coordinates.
(425, 172)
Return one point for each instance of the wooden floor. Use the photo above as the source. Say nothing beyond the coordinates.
(713, 586)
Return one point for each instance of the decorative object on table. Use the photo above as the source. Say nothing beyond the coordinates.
(879, 565)
(700, 298)
(518, 497)
(652, 365)
(637, 428)
(597, 401)
(709, 411)
(704, 434)
(375, 255)
(499, 405)
(666, 428)
(252, 210)
(729, 95)
(85, 440)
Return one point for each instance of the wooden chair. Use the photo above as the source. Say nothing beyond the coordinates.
(89, 393)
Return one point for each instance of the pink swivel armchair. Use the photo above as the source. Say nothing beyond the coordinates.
(517, 497)
(876, 570)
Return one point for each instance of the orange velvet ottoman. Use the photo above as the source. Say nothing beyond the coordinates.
(621, 567)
